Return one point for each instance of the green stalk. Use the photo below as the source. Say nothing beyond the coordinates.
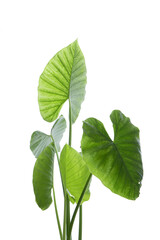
(80, 223)
(58, 164)
(55, 204)
(78, 205)
(64, 219)
(65, 200)
(60, 170)
(57, 216)
(70, 142)
(68, 213)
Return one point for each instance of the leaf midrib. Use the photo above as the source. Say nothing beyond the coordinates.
(114, 144)
(71, 72)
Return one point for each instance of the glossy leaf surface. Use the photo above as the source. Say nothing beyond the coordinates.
(74, 173)
(116, 163)
(39, 141)
(63, 78)
(43, 177)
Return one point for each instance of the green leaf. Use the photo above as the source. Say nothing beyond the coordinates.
(57, 131)
(43, 177)
(39, 141)
(43, 147)
(116, 163)
(63, 78)
(74, 173)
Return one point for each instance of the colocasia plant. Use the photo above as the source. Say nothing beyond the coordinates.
(117, 163)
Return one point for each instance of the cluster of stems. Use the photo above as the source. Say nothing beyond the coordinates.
(67, 221)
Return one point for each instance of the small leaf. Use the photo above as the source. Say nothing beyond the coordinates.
(63, 78)
(43, 177)
(74, 173)
(39, 141)
(116, 163)
(57, 131)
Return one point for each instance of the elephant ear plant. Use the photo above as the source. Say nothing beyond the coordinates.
(117, 163)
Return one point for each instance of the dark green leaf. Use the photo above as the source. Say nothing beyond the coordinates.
(63, 78)
(116, 163)
(43, 177)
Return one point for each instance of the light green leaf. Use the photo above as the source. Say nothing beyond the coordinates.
(57, 131)
(74, 173)
(39, 141)
(63, 78)
(116, 163)
(43, 177)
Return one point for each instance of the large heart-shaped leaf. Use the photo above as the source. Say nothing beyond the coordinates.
(63, 78)
(116, 163)
(39, 140)
(74, 172)
(43, 177)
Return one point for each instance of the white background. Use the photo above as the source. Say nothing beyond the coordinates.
(121, 44)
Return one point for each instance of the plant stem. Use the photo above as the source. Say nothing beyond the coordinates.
(78, 205)
(58, 164)
(57, 216)
(80, 223)
(68, 213)
(70, 142)
(60, 170)
(64, 219)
